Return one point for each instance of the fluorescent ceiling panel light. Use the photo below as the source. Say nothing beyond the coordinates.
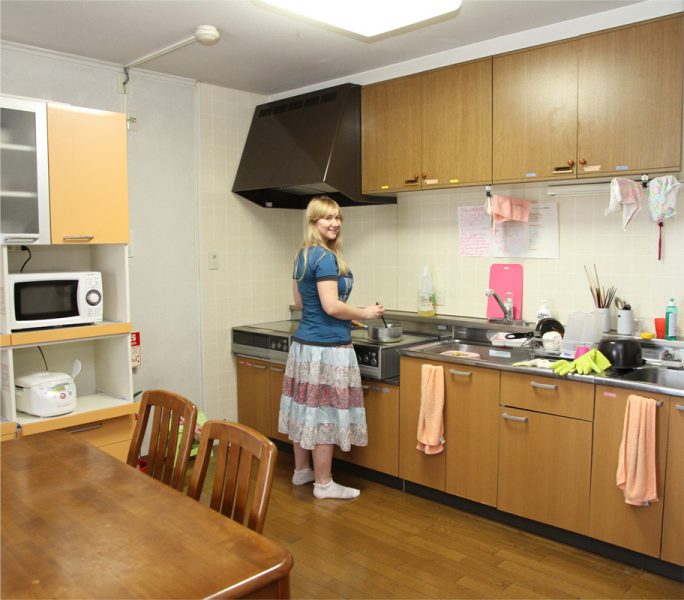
(368, 17)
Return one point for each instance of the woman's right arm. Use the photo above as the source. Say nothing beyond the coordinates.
(333, 306)
(296, 295)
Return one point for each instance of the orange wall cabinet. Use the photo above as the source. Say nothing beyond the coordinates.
(88, 175)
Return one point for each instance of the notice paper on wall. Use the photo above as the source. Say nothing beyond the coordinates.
(538, 238)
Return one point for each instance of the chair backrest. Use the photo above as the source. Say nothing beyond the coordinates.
(238, 448)
(167, 459)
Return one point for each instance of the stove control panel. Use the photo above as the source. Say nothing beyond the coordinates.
(279, 343)
(366, 355)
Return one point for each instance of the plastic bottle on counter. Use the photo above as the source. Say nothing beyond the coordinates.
(671, 320)
(543, 311)
(426, 297)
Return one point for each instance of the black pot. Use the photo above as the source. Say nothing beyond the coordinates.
(622, 354)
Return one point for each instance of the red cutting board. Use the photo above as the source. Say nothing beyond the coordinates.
(504, 278)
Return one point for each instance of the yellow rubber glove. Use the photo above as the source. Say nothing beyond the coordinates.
(563, 367)
(601, 361)
(585, 364)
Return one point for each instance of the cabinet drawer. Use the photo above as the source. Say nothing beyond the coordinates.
(119, 450)
(548, 395)
(109, 431)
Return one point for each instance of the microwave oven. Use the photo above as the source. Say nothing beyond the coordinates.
(38, 300)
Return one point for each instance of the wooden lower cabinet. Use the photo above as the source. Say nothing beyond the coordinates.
(425, 469)
(254, 393)
(611, 519)
(382, 417)
(673, 504)
(276, 373)
(544, 468)
(471, 429)
(112, 436)
(545, 436)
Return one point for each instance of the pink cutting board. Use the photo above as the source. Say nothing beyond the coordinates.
(505, 278)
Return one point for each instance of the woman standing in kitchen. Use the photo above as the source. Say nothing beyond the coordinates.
(322, 401)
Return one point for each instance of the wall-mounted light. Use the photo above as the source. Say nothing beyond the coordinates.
(368, 18)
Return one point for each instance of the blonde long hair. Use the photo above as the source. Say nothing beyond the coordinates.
(318, 208)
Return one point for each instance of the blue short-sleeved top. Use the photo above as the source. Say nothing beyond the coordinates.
(316, 325)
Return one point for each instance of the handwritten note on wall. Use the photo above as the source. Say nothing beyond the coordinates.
(538, 238)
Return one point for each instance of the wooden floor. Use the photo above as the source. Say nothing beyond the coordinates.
(389, 544)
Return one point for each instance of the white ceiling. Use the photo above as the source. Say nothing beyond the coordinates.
(260, 50)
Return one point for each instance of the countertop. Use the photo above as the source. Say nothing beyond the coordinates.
(503, 358)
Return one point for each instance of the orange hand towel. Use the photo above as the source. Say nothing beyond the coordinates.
(636, 472)
(431, 417)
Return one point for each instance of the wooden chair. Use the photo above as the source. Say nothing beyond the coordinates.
(167, 459)
(239, 447)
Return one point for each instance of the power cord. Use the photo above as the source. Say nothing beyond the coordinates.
(25, 249)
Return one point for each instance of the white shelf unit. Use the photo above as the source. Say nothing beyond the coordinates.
(105, 382)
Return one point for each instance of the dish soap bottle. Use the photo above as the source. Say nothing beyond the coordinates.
(671, 320)
(426, 298)
(543, 311)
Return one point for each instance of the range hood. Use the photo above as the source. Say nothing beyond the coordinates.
(305, 146)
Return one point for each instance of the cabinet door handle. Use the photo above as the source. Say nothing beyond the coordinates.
(460, 373)
(413, 181)
(256, 366)
(276, 370)
(679, 407)
(19, 239)
(514, 418)
(86, 428)
(365, 388)
(77, 238)
(543, 386)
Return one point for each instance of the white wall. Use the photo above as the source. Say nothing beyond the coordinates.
(164, 277)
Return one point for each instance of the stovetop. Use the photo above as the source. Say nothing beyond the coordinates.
(359, 336)
(378, 360)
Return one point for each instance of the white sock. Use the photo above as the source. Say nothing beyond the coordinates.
(334, 490)
(303, 476)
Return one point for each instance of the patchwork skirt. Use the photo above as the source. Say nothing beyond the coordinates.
(322, 398)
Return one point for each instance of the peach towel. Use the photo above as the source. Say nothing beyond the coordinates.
(503, 208)
(431, 417)
(636, 472)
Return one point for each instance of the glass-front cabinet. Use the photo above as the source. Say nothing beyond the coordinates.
(24, 183)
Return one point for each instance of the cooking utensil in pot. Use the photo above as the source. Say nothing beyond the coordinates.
(379, 333)
(622, 354)
(382, 317)
(543, 326)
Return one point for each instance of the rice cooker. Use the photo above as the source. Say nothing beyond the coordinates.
(45, 394)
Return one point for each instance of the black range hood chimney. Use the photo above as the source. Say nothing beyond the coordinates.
(305, 146)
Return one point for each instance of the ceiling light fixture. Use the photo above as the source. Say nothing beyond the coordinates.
(207, 35)
(368, 18)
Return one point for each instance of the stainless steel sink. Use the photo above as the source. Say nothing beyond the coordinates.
(659, 376)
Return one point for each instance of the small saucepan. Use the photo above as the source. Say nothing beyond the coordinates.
(543, 326)
(381, 333)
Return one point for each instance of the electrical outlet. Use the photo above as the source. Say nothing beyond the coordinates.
(439, 297)
(213, 261)
(131, 123)
(13, 248)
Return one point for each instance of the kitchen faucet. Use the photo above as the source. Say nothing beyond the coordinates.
(506, 307)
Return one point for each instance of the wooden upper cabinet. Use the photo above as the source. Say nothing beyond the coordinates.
(390, 135)
(630, 99)
(457, 125)
(88, 176)
(428, 130)
(535, 114)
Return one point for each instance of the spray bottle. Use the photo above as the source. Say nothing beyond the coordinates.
(426, 297)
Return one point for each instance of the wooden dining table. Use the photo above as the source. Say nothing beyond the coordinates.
(77, 523)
